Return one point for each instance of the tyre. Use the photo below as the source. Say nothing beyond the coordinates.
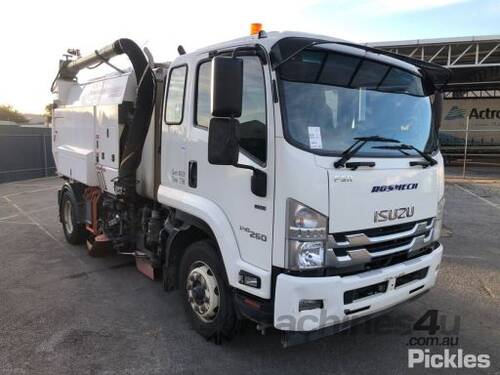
(207, 298)
(74, 232)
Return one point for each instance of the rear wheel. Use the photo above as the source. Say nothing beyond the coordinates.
(74, 232)
(207, 297)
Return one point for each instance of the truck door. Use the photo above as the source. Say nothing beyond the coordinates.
(229, 187)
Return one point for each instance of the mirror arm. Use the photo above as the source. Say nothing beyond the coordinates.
(259, 179)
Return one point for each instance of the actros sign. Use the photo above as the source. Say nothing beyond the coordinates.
(485, 114)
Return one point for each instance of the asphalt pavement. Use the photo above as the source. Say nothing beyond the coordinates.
(63, 312)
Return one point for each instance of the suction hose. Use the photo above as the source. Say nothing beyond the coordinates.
(136, 135)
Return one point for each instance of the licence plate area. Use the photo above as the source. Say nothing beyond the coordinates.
(353, 295)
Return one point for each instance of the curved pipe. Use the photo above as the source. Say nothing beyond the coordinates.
(136, 135)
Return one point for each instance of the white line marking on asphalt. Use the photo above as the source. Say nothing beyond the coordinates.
(8, 217)
(479, 197)
(15, 222)
(33, 221)
(30, 212)
(30, 191)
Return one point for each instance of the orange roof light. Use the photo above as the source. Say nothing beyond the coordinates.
(255, 28)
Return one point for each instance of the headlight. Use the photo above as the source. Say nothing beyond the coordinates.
(306, 237)
(438, 223)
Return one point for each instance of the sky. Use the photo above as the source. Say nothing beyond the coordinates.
(34, 34)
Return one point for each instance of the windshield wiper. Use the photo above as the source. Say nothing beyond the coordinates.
(356, 146)
(429, 160)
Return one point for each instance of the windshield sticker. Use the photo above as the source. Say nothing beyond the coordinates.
(315, 137)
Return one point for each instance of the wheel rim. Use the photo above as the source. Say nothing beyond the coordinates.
(203, 291)
(68, 218)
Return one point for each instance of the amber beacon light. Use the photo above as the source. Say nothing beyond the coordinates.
(255, 28)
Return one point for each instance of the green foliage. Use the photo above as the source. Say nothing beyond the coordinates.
(48, 112)
(8, 113)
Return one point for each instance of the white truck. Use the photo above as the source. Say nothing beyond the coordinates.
(287, 178)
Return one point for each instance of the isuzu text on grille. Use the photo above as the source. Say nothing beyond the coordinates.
(394, 214)
(382, 188)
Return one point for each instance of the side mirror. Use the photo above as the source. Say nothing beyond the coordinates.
(437, 109)
(227, 86)
(223, 147)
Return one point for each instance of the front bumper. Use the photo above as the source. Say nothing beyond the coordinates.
(336, 309)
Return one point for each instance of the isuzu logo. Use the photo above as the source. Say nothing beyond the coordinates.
(394, 214)
(383, 188)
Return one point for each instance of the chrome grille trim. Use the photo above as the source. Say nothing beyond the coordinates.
(361, 239)
(420, 236)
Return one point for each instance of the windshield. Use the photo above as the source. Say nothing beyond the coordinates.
(330, 98)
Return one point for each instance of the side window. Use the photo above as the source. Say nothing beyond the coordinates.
(253, 128)
(174, 106)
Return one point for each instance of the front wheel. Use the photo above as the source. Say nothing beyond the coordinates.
(207, 297)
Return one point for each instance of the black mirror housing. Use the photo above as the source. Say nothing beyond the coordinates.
(437, 109)
(223, 147)
(227, 86)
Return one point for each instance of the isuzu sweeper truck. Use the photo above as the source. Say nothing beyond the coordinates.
(287, 178)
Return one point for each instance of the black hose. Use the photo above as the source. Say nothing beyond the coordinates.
(125, 185)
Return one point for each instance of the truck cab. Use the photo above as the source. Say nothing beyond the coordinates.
(300, 183)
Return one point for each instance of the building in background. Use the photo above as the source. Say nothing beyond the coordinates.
(470, 130)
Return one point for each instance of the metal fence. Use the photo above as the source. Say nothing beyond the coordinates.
(25, 153)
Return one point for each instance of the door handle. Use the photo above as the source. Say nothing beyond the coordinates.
(193, 174)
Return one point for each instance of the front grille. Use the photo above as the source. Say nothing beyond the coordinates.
(374, 249)
(358, 251)
(382, 231)
(379, 262)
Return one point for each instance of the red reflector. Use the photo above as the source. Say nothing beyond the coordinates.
(251, 303)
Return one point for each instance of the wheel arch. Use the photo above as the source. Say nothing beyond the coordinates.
(179, 239)
(212, 221)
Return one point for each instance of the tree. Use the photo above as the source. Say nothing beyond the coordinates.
(8, 113)
(48, 112)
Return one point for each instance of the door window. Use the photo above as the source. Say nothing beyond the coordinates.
(253, 127)
(174, 106)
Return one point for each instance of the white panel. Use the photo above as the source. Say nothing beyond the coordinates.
(77, 163)
(107, 135)
(73, 137)
(86, 133)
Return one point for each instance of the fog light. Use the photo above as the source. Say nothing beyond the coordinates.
(248, 279)
(310, 304)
